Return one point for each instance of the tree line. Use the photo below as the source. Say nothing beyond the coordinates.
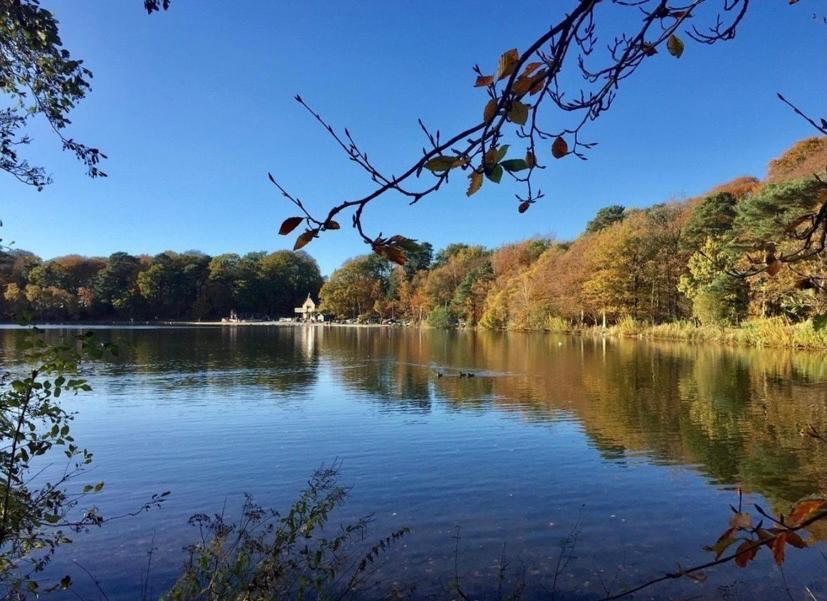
(718, 259)
(170, 285)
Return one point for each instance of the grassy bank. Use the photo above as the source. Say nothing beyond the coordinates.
(759, 332)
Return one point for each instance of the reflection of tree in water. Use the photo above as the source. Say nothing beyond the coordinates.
(733, 413)
(277, 358)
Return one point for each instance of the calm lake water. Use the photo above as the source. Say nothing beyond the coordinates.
(637, 447)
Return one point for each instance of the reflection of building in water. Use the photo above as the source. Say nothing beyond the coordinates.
(307, 340)
(308, 311)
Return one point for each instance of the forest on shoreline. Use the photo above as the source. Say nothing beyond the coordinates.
(669, 270)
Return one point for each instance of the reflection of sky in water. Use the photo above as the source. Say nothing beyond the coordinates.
(640, 444)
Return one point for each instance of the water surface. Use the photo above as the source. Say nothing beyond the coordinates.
(635, 448)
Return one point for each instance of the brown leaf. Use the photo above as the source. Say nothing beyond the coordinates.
(474, 183)
(524, 206)
(331, 225)
(289, 224)
(304, 239)
(724, 541)
(649, 49)
(745, 553)
(484, 80)
(507, 64)
(559, 148)
(795, 540)
(530, 159)
(778, 547)
(774, 267)
(531, 68)
(675, 46)
(490, 110)
(804, 509)
(391, 253)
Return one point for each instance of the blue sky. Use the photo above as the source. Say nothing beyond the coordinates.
(195, 106)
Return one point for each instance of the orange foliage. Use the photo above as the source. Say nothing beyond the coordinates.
(740, 187)
(805, 158)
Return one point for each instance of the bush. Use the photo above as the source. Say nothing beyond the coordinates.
(441, 318)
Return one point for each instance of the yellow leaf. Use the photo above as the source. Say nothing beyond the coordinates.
(507, 64)
(474, 184)
(518, 113)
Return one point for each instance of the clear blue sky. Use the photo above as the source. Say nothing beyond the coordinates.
(194, 106)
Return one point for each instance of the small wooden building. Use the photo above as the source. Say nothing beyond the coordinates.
(308, 310)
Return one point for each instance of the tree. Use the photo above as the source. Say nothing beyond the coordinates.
(40, 78)
(712, 218)
(520, 92)
(606, 217)
(354, 288)
(115, 287)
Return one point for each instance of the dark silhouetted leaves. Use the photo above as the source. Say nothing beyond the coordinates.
(331, 225)
(559, 148)
(289, 224)
(524, 206)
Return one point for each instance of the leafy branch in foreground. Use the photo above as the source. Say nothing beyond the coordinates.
(39, 504)
(266, 555)
(39, 77)
(518, 92)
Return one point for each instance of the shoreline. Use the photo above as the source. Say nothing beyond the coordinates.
(766, 334)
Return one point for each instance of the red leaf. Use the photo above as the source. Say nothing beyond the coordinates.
(778, 547)
(745, 553)
(524, 206)
(289, 224)
(484, 80)
(804, 508)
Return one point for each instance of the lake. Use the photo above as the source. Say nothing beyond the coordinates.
(630, 450)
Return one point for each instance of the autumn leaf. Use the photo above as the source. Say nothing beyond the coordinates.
(778, 547)
(474, 183)
(507, 64)
(289, 224)
(530, 159)
(723, 542)
(518, 113)
(490, 110)
(675, 46)
(442, 163)
(804, 509)
(404, 243)
(495, 174)
(745, 553)
(531, 68)
(774, 267)
(559, 148)
(524, 206)
(495, 154)
(795, 540)
(528, 82)
(483, 81)
(331, 225)
(394, 254)
(514, 165)
(304, 239)
(649, 49)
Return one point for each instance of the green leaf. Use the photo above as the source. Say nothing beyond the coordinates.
(495, 174)
(515, 165)
(442, 163)
(820, 322)
(675, 46)
(518, 113)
